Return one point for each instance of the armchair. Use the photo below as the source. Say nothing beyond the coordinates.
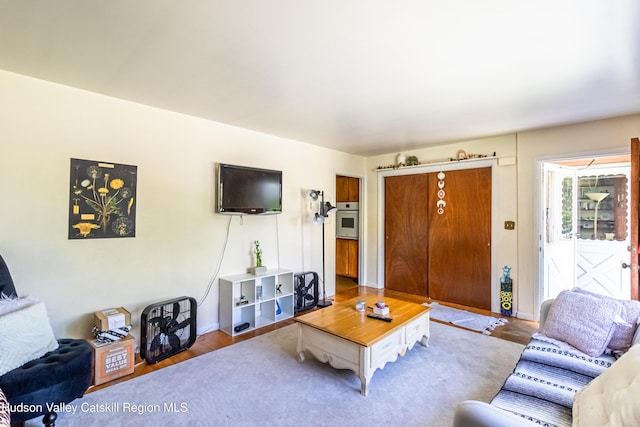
(57, 378)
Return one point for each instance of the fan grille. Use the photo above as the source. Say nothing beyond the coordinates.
(168, 328)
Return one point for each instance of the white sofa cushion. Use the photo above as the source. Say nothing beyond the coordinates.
(25, 332)
(611, 399)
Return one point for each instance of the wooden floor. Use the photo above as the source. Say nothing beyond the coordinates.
(515, 330)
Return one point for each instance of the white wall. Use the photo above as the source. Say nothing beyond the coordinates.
(179, 239)
(611, 135)
(516, 192)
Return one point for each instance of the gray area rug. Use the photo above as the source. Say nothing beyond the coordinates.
(466, 319)
(259, 382)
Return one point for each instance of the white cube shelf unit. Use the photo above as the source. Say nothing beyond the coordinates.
(256, 300)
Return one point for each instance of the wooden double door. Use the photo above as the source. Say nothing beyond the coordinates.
(445, 256)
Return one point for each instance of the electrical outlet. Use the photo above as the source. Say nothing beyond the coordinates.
(509, 225)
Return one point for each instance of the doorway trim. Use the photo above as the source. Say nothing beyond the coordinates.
(491, 162)
(538, 214)
(362, 220)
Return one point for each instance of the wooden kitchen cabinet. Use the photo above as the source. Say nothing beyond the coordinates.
(347, 189)
(347, 258)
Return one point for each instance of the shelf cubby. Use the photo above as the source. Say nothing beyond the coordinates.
(262, 295)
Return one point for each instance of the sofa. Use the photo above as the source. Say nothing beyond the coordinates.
(39, 374)
(582, 368)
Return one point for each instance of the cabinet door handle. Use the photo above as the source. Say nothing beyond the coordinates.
(625, 265)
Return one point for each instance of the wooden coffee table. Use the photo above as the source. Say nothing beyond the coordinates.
(348, 339)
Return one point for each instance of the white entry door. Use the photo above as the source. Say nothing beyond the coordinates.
(573, 253)
(559, 230)
(600, 267)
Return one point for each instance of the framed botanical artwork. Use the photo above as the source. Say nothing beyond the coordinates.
(102, 200)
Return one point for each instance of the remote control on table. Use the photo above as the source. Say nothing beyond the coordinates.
(379, 317)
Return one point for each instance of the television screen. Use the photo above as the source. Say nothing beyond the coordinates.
(245, 190)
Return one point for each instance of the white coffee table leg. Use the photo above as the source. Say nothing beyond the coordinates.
(299, 348)
(424, 341)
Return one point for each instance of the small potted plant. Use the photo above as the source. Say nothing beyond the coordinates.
(259, 268)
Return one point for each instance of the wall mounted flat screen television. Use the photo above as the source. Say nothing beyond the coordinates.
(250, 191)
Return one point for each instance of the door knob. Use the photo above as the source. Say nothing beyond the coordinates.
(625, 265)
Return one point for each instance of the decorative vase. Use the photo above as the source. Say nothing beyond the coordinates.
(258, 271)
(506, 292)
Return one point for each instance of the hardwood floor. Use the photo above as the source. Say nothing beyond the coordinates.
(515, 330)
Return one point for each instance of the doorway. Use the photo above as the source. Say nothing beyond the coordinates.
(585, 225)
(348, 232)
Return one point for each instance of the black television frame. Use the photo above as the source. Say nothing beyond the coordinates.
(245, 210)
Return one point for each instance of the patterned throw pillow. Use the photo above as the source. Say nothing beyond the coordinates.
(623, 335)
(583, 321)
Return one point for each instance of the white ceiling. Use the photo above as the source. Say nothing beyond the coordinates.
(361, 76)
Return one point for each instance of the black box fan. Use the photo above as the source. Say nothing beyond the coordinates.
(167, 328)
(306, 290)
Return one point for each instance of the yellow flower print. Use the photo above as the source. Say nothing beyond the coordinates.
(85, 228)
(117, 184)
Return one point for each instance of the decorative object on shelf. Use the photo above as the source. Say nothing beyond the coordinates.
(320, 217)
(279, 288)
(258, 252)
(440, 204)
(241, 327)
(462, 155)
(101, 203)
(412, 161)
(596, 197)
(381, 309)
(259, 269)
(506, 292)
(278, 308)
(402, 161)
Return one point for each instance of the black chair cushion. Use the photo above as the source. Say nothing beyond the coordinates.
(59, 376)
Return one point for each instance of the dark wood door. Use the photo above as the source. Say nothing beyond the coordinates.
(444, 256)
(460, 239)
(406, 231)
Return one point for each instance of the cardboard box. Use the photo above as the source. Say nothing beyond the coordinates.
(113, 360)
(111, 318)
